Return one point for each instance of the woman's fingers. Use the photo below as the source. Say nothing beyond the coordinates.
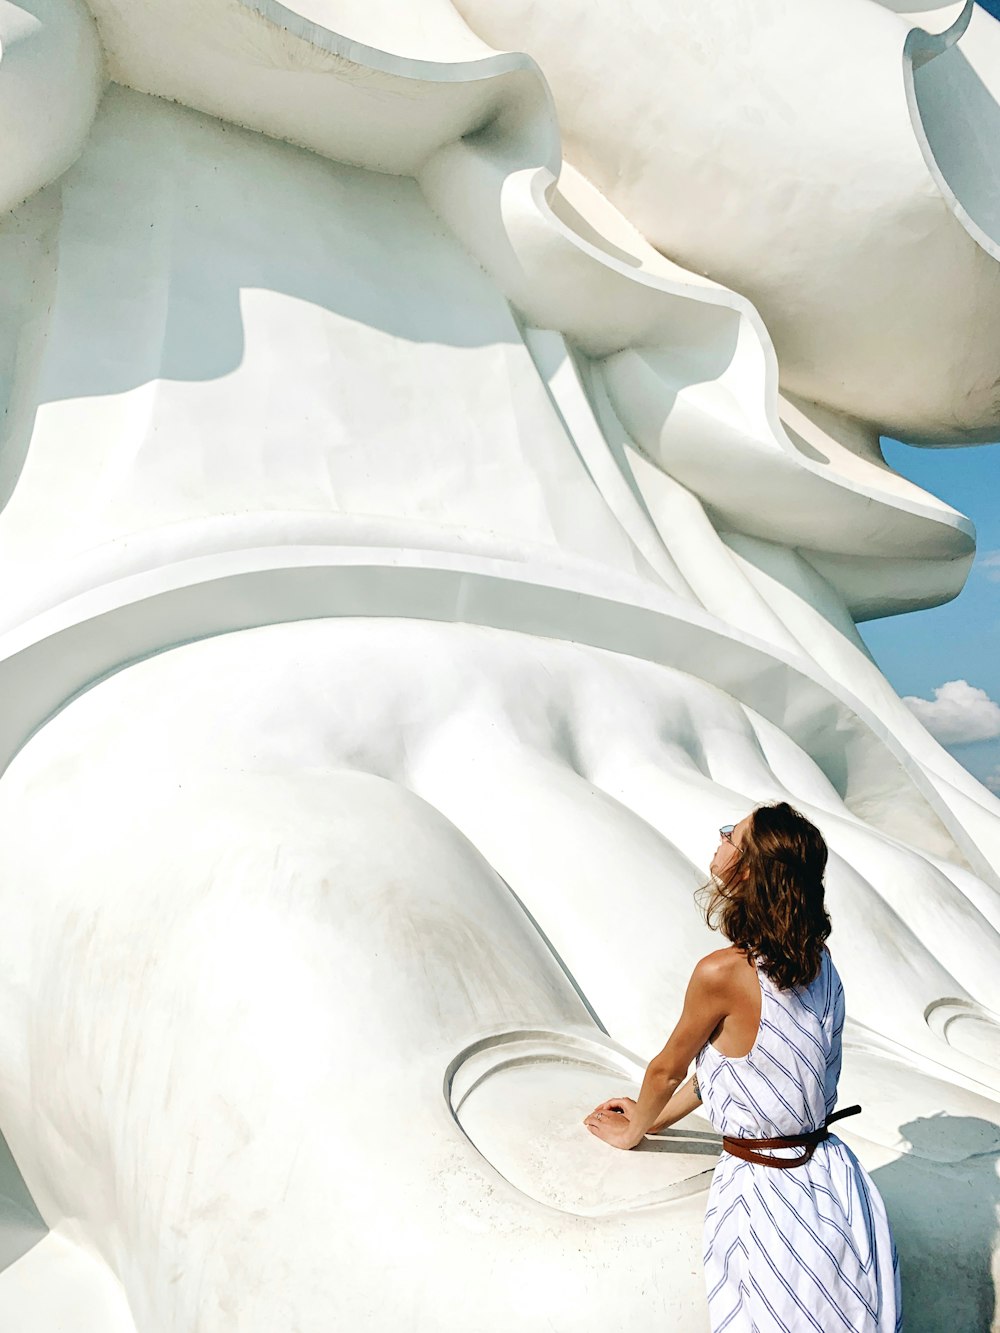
(609, 1114)
(620, 1104)
(623, 1105)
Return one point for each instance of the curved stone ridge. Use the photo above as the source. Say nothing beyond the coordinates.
(503, 1089)
(951, 87)
(50, 85)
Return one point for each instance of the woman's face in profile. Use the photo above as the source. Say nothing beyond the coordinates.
(728, 850)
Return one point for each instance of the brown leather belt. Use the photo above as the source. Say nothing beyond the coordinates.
(750, 1149)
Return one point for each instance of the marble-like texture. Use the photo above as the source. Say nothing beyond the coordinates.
(410, 557)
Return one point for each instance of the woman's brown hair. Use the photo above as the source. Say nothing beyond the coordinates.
(770, 902)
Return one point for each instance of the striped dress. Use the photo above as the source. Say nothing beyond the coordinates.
(808, 1248)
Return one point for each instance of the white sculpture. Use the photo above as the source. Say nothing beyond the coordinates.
(439, 553)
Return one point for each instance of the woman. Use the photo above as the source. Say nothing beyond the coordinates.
(796, 1236)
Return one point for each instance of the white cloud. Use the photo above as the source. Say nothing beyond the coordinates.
(958, 713)
(993, 781)
(989, 564)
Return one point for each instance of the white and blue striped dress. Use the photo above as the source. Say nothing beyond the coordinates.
(808, 1248)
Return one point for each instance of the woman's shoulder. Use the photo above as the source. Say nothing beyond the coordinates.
(722, 967)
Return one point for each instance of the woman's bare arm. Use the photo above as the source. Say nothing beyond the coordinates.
(685, 1100)
(709, 999)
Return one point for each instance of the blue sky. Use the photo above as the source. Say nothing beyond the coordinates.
(960, 641)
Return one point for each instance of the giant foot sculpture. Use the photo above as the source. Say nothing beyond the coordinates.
(319, 937)
(328, 955)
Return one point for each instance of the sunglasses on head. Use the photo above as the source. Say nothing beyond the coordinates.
(726, 832)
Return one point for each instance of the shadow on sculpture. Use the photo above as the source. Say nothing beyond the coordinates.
(953, 1162)
(949, 90)
(21, 1224)
(686, 1141)
(184, 320)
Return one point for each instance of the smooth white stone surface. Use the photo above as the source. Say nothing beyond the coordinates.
(321, 938)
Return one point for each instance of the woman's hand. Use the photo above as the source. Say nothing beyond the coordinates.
(612, 1122)
(622, 1105)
